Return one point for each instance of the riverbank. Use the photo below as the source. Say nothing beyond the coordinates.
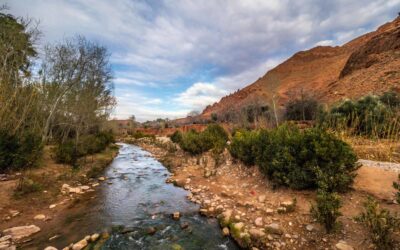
(50, 197)
(257, 215)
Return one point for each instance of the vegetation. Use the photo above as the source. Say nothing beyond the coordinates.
(380, 223)
(326, 211)
(69, 153)
(370, 116)
(176, 137)
(244, 146)
(303, 109)
(291, 157)
(65, 104)
(212, 138)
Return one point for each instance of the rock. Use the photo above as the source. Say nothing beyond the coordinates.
(290, 206)
(226, 217)
(274, 228)
(102, 178)
(310, 228)
(258, 222)
(238, 226)
(281, 210)
(94, 237)
(52, 206)
(261, 198)
(80, 245)
(269, 211)
(225, 231)
(18, 233)
(14, 213)
(342, 245)
(184, 225)
(151, 230)
(176, 216)
(5, 242)
(256, 233)
(85, 188)
(50, 248)
(40, 217)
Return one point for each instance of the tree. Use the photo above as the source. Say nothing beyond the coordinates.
(76, 80)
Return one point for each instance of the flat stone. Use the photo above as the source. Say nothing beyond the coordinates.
(18, 233)
(50, 248)
(80, 245)
(256, 233)
(94, 237)
(258, 222)
(40, 217)
(269, 211)
(52, 206)
(274, 228)
(310, 227)
(342, 245)
(101, 178)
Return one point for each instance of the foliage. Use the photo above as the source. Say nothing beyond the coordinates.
(212, 138)
(380, 223)
(243, 146)
(326, 211)
(396, 186)
(370, 116)
(19, 151)
(305, 108)
(292, 158)
(214, 117)
(176, 137)
(69, 152)
(26, 186)
(140, 134)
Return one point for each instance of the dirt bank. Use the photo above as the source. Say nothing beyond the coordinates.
(256, 209)
(52, 210)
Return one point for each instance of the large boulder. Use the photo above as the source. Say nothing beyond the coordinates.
(18, 233)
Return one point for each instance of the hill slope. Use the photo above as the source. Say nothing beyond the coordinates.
(367, 64)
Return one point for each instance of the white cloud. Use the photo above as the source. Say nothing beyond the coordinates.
(325, 43)
(155, 43)
(199, 95)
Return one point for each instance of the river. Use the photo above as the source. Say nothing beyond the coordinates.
(137, 199)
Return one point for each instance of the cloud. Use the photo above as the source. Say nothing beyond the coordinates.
(169, 45)
(199, 95)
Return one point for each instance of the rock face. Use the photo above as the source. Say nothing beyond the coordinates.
(18, 233)
(332, 73)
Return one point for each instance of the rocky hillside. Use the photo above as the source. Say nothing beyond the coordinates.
(367, 64)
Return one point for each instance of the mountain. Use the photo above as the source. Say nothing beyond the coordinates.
(367, 64)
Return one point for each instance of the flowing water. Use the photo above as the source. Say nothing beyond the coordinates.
(139, 199)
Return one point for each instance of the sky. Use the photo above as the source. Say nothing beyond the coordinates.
(170, 57)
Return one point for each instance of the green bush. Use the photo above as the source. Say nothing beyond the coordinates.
(243, 146)
(326, 211)
(176, 137)
(380, 223)
(369, 116)
(292, 158)
(212, 138)
(302, 109)
(140, 134)
(69, 152)
(19, 151)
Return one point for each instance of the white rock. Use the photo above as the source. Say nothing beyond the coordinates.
(21, 232)
(80, 245)
(342, 245)
(50, 248)
(40, 217)
(261, 198)
(94, 237)
(258, 222)
(52, 206)
(310, 228)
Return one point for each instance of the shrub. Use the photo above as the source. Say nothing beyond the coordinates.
(176, 137)
(243, 146)
(292, 158)
(369, 116)
(214, 117)
(380, 223)
(391, 99)
(302, 109)
(70, 151)
(26, 186)
(326, 210)
(212, 138)
(19, 151)
(396, 185)
(140, 134)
